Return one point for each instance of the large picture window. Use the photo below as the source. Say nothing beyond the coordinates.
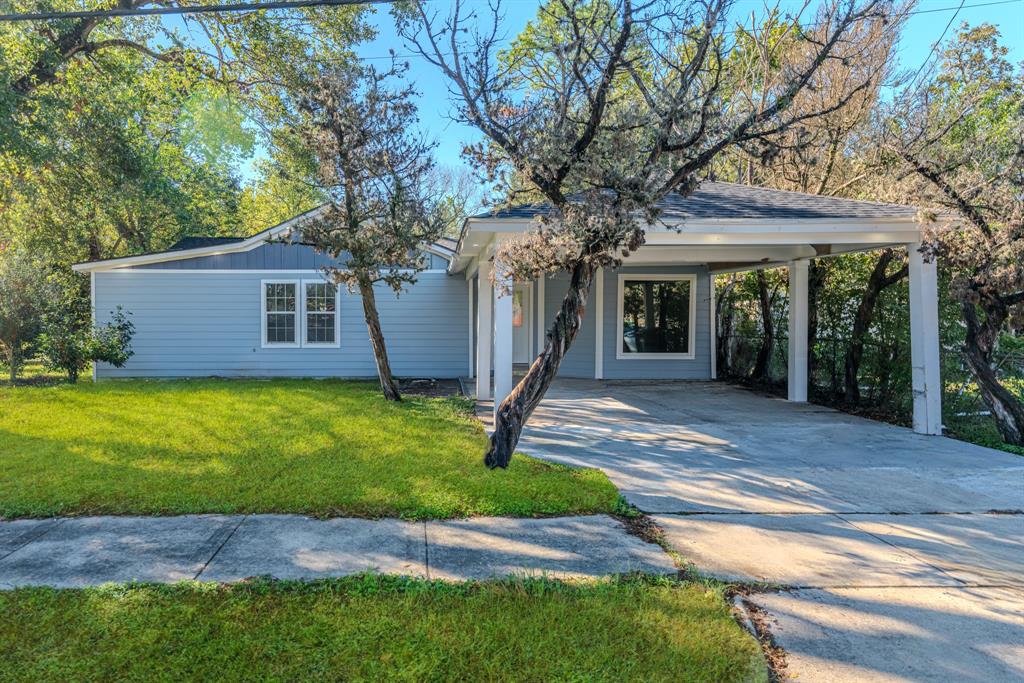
(299, 313)
(655, 316)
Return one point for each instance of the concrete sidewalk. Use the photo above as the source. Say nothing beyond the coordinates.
(85, 551)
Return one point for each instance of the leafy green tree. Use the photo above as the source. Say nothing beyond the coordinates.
(960, 138)
(70, 344)
(24, 295)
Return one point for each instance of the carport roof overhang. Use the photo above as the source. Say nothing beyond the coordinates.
(724, 244)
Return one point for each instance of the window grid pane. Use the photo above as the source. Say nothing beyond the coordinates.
(280, 310)
(321, 302)
(655, 316)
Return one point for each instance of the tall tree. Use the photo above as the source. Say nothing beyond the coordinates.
(961, 137)
(375, 169)
(612, 107)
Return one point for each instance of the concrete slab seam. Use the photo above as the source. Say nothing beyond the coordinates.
(902, 550)
(219, 547)
(33, 537)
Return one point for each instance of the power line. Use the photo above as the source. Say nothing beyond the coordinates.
(935, 45)
(199, 9)
(297, 4)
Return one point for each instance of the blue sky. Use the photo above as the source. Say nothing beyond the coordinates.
(921, 32)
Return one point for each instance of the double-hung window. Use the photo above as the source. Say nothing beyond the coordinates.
(320, 306)
(299, 313)
(656, 316)
(281, 313)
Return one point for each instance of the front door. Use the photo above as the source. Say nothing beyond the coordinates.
(521, 324)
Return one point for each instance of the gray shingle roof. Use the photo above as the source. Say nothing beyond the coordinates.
(729, 200)
(196, 242)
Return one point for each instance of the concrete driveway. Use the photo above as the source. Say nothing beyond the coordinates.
(904, 554)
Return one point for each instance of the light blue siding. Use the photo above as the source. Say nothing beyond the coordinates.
(579, 361)
(199, 324)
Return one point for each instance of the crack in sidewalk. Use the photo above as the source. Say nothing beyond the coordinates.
(219, 547)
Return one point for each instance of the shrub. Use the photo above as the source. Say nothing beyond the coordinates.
(69, 345)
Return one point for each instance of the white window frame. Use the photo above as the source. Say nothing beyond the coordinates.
(300, 315)
(337, 316)
(264, 312)
(691, 342)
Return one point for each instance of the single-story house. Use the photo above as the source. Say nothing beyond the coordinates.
(260, 306)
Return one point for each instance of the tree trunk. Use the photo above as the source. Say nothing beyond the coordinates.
(877, 282)
(817, 276)
(764, 355)
(380, 351)
(13, 370)
(1007, 411)
(515, 410)
(724, 313)
(73, 375)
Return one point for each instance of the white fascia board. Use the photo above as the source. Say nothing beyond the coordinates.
(247, 244)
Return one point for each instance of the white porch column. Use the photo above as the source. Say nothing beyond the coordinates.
(798, 331)
(714, 327)
(484, 331)
(502, 338)
(599, 324)
(924, 342)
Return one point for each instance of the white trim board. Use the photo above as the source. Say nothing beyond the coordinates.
(244, 271)
(690, 342)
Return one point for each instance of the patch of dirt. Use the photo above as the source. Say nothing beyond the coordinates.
(754, 619)
(431, 388)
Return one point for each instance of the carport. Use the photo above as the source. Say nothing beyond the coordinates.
(721, 228)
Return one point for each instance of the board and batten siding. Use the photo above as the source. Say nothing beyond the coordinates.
(209, 324)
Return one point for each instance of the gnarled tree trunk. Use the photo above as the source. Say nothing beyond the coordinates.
(380, 351)
(979, 343)
(877, 283)
(516, 409)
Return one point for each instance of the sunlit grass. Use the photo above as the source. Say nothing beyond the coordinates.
(305, 446)
(377, 628)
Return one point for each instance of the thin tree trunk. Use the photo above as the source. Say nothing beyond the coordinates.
(877, 283)
(764, 355)
(13, 370)
(380, 351)
(516, 409)
(817, 275)
(724, 313)
(1007, 411)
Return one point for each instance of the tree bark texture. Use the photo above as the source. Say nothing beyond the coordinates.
(817, 277)
(764, 355)
(517, 407)
(380, 351)
(979, 343)
(877, 283)
(724, 314)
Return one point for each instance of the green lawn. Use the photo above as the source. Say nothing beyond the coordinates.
(316, 447)
(376, 628)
